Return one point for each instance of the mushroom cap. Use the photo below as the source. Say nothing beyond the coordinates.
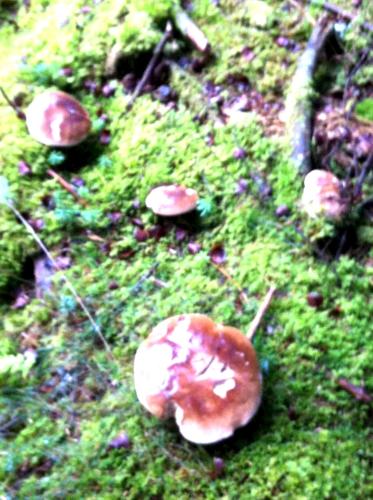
(171, 200)
(204, 374)
(55, 118)
(322, 195)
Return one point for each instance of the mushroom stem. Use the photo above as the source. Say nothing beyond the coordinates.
(149, 69)
(261, 312)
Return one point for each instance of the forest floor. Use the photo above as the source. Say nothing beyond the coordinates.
(70, 423)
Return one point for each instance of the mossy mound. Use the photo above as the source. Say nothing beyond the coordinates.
(60, 411)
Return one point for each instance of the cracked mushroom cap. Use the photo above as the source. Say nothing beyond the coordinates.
(55, 118)
(171, 200)
(204, 374)
(322, 195)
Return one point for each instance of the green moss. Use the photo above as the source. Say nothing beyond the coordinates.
(364, 109)
(309, 440)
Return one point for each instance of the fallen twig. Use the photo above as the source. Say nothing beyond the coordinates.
(363, 58)
(149, 69)
(261, 312)
(298, 106)
(8, 425)
(357, 392)
(368, 165)
(69, 285)
(66, 185)
(191, 31)
(136, 287)
(94, 237)
(159, 283)
(226, 275)
(333, 9)
(20, 114)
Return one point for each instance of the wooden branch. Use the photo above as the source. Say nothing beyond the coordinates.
(333, 9)
(150, 68)
(190, 30)
(298, 109)
(66, 185)
(260, 314)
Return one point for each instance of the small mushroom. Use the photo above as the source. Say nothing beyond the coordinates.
(204, 374)
(322, 195)
(171, 200)
(55, 118)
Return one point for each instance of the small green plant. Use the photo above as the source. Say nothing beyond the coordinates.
(67, 304)
(16, 365)
(205, 206)
(42, 74)
(364, 109)
(56, 158)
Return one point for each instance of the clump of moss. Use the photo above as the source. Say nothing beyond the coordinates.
(364, 109)
(58, 421)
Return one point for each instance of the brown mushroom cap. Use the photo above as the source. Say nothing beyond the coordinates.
(322, 195)
(171, 200)
(55, 118)
(203, 373)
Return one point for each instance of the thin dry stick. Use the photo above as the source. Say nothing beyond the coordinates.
(345, 14)
(356, 391)
(79, 300)
(260, 314)
(17, 110)
(367, 167)
(226, 275)
(149, 69)
(66, 185)
(4, 94)
(94, 237)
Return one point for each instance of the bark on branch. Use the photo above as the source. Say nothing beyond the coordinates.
(298, 110)
(333, 9)
(191, 31)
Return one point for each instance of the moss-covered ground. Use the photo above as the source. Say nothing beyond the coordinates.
(58, 413)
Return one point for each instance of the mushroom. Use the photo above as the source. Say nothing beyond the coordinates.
(171, 200)
(204, 374)
(55, 118)
(322, 195)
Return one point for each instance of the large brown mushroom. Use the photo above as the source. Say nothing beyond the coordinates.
(55, 118)
(323, 196)
(171, 200)
(204, 374)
